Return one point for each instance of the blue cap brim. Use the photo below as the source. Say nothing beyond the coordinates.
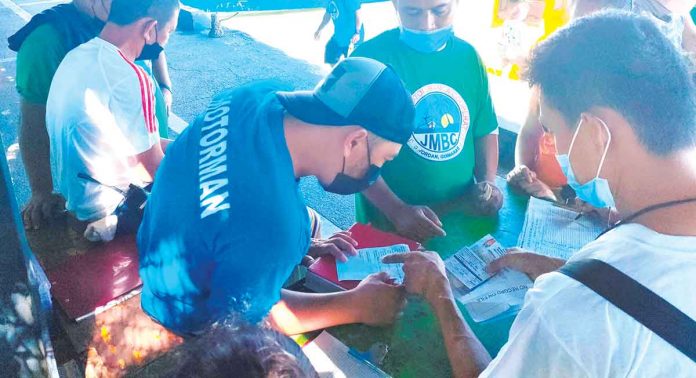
(304, 106)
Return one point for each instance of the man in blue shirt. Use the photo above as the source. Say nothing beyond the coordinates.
(226, 222)
(348, 29)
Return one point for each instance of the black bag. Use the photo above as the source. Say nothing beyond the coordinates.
(636, 300)
(130, 211)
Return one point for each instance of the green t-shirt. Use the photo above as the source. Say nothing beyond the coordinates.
(453, 108)
(37, 62)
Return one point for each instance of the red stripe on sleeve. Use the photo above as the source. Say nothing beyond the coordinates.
(145, 94)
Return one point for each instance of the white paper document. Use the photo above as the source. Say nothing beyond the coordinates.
(504, 293)
(553, 231)
(368, 261)
(491, 296)
(332, 359)
(468, 265)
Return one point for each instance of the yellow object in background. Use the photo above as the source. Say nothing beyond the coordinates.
(555, 15)
(497, 21)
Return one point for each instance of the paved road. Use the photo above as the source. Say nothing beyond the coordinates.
(257, 46)
(199, 66)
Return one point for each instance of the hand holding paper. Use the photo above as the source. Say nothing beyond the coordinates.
(368, 261)
(468, 265)
(484, 295)
(425, 274)
(340, 245)
(529, 263)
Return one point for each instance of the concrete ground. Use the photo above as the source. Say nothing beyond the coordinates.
(257, 45)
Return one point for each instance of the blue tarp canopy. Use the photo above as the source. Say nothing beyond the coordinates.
(257, 5)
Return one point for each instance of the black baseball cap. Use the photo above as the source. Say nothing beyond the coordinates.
(358, 91)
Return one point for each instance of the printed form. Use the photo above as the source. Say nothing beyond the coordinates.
(485, 298)
(468, 265)
(368, 261)
(553, 231)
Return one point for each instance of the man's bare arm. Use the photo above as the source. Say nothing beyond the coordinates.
(527, 147)
(35, 147)
(324, 21)
(426, 276)
(486, 158)
(383, 198)
(373, 302)
(467, 355)
(160, 70)
(146, 163)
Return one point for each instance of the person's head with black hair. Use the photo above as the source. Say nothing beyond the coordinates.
(234, 348)
(133, 25)
(621, 103)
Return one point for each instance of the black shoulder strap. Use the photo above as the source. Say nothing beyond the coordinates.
(638, 301)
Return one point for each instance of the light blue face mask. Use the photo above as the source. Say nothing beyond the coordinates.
(426, 41)
(596, 192)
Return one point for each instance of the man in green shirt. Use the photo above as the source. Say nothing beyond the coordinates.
(41, 45)
(452, 157)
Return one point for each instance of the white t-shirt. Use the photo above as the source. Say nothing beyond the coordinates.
(100, 114)
(567, 330)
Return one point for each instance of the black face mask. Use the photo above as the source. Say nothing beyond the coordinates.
(151, 52)
(344, 184)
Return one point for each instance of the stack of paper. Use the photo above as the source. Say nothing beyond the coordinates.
(501, 295)
(468, 265)
(548, 230)
(553, 231)
(491, 296)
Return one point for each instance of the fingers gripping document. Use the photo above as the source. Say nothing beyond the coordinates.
(468, 265)
(483, 295)
(369, 260)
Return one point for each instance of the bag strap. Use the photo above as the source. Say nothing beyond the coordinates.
(636, 300)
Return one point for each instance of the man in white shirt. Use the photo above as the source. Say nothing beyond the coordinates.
(100, 112)
(619, 99)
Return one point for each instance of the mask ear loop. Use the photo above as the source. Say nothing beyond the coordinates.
(343, 166)
(606, 149)
(572, 141)
(156, 35)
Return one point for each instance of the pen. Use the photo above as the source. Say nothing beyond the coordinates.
(580, 214)
(361, 357)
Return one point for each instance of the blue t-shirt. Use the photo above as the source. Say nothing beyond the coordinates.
(226, 222)
(343, 15)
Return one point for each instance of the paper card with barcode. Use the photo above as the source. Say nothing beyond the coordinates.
(468, 265)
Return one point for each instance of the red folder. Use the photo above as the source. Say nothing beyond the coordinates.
(322, 276)
(105, 275)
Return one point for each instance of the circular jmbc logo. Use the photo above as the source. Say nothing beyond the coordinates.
(442, 122)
